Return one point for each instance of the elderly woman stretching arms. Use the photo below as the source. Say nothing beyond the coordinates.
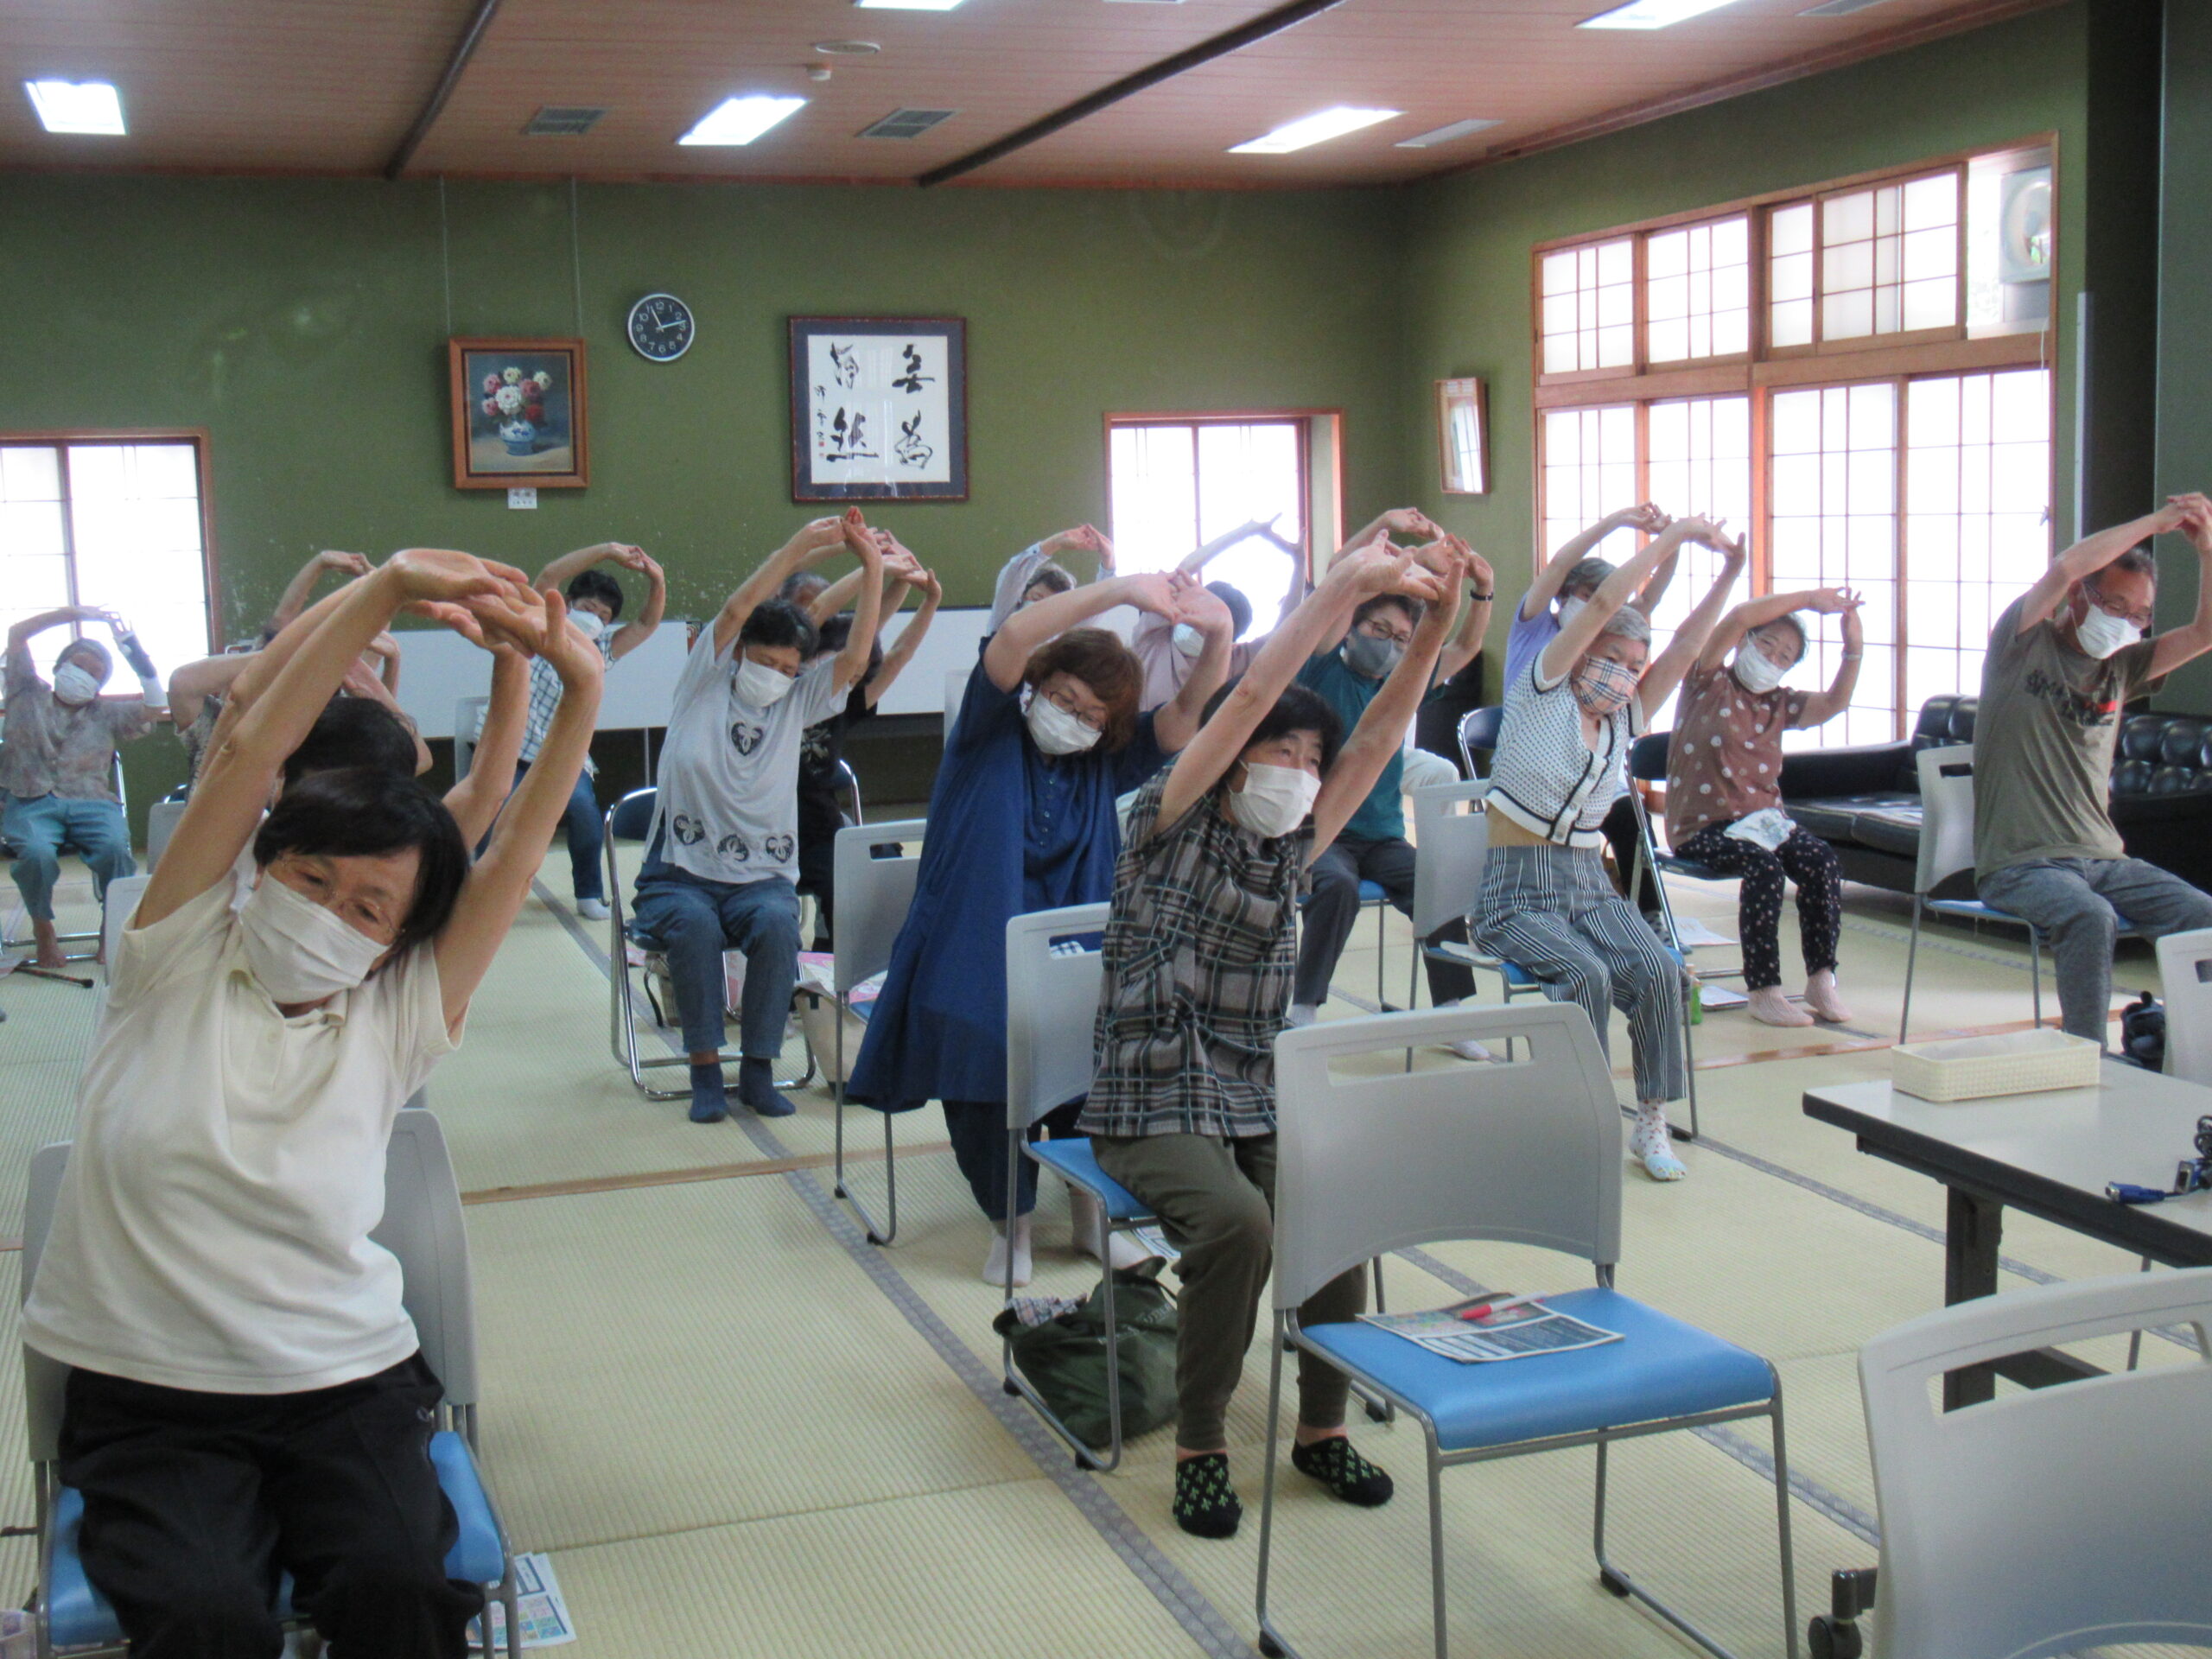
(1546, 902)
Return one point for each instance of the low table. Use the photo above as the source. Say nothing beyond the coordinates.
(2051, 1156)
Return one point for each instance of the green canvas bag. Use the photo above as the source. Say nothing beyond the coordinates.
(1064, 1358)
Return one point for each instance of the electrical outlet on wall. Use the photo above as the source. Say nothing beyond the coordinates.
(522, 495)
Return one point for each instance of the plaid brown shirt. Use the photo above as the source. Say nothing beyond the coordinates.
(1199, 950)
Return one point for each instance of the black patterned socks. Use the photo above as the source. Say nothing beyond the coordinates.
(1206, 1505)
(1343, 1471)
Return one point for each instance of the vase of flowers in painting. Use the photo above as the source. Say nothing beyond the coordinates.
(514, 403)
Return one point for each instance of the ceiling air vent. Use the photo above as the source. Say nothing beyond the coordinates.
(906, 124)
(562, 121)
(1837, 8)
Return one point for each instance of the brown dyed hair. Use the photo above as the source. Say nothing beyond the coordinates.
(1102, 662)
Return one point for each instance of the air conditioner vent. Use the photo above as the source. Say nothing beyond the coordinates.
(562, 121)
(906, 124)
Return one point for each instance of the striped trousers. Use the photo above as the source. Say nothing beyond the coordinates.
(1553, 910)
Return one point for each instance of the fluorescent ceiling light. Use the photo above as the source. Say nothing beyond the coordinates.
(1445, 135)
(1313, 130)
(77, 107)
(1652, 14)
(741, 120)
(906, 5)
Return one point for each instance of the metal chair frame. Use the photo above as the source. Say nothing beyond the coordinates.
(93, 937)
(1559, 1028)
(871, 906)
(621, 1006)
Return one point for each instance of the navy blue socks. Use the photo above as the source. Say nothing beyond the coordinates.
(756, 1087)
(707, 1105)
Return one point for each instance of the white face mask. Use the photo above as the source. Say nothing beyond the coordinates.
(1188, 640)
(1755, 672)
(759, 685)
(298, 950)
(590, 624)
(1274, 800)
(2099, 633)
(1569, 609)
(1056, 731)
(73, 686)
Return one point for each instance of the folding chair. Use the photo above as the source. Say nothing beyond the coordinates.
(2048, 1521)
(851, 782)
(2185, 970)
(1051, 1002)
(1647, 764)
(423, 1227)
(92, 937)
(874, 892)
(630, 819)
(1478, 733)
(1374, 897)
(1447, 867)
(1530, 1155)
(1946, 852)
(468, 731)
(161, 824)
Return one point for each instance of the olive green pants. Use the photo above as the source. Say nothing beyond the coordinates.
(1215, 1198)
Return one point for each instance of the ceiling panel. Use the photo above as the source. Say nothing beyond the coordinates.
(320, 86)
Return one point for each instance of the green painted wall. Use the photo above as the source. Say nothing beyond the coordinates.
(2184, 440)
(1469, 239)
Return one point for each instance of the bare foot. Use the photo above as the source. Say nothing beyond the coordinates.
(1770, 1007)
(46, 939)
(1821, 996)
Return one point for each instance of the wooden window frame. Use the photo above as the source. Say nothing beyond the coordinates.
(1303, 419)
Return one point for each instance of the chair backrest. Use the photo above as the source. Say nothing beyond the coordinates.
(1947, 815)
(850, 781)
(116, 911)
(1449, 846)
(2054, 1519)
(1051, 1006)
(1479, 730)
(956, 687)
(161, 824)
(2185, 970)
(468, 728)
(1647, 757)
(1527, 1151)
(873, 895)
(422, 1226)
(631, 818)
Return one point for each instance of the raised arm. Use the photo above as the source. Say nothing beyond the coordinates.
(2090, 555)
(641, 627)
(1019, 572)
(386, 649)
(867, 610)
(1729, 633)
(1824, 706)
(1203, 555)
(1360, 575)
(1474, 617)
(475, 801)
(294, 599)
(499, 881)
(1666, 670)
(1654, 589)
(1578, 635)
(20, 634)
(240, 770)
(1576, 548)
(812, 542)
(1396, 523)
(195, 682)
(2174, 649)
(1008, 654)
(895, 660)
(1176, 722)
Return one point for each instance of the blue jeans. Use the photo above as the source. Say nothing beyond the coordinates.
(694, 921)
(587, 828)
(39, 827)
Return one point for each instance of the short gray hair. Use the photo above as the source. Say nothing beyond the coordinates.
(1589, 572)
(2140, 560)
(1628, 623)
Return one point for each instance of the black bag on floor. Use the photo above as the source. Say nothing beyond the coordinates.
(2143, 1034)
(1064, 1358)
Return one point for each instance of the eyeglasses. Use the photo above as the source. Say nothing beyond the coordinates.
(1378, 630)
(1065, 703)
(2140, 619)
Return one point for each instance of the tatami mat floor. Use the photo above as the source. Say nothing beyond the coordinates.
(739, 1429)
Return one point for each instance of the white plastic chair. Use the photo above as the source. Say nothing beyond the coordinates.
(468, 728)
(423, 1227)
(1448, 848)
(1945, 850)
(873, 895)
(161, 824)
(2049, 1521)
(956, 690)
(1528, 1154)
(121, 904)
(2185, 970)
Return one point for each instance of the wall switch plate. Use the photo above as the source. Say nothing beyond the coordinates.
(523, 495)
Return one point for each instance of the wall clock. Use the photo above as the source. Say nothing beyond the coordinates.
(661, 327)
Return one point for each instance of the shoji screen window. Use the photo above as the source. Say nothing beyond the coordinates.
(1697, 291)
(1588, 319)
(1977, 513)
(1833, 509)
(1589, 470)
(1178, 484)
(1890, 258)
(114, 525)
(1698, 453)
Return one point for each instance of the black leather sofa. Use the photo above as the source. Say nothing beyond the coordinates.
(1865, 801)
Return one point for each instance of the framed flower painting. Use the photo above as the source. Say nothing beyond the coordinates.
(879, 409)
(517, 413)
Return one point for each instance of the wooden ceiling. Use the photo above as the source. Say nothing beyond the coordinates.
(335, 86)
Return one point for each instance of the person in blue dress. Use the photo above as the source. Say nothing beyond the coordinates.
(1021, 818)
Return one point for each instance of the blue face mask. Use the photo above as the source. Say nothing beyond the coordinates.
(1370, 658)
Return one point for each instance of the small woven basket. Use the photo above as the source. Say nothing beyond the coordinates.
(1975, 1068)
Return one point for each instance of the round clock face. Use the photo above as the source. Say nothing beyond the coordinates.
(661, 327)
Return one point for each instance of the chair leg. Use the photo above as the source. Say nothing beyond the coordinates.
(1781, 1528)
(1381, 928)
(2135, 1337)
(1113, 1348)
(1271, 1644)
(1911, 959)
(2035, 968)
(1436, 1542)
(1689, 1060)
(1379, 1410)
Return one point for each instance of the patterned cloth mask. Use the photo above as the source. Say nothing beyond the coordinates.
(1601, 685)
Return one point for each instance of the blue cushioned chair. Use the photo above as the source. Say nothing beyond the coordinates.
(422, 1226)
(1946, 854)
(630, 819)
(1529, 1154)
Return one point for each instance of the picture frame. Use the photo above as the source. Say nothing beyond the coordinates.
(503, 435)
(1463, 435)
(879, 409)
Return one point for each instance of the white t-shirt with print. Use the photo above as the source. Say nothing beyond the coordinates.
(213, 1229)
(730, 772)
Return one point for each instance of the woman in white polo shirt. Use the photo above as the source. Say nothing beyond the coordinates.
(247, 1394)
(1546, 902)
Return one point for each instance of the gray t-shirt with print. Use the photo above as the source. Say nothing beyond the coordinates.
(730, 772)
(2043, 743)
